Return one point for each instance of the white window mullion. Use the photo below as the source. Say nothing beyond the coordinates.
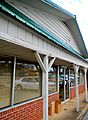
(13, 82)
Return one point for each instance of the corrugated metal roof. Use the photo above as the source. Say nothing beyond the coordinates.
(24, 19)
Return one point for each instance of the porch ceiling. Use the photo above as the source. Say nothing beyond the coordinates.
(63, 63)
(24, 19)
(11, 49)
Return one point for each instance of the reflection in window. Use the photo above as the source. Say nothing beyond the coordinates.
(5, 82)
(67, 83)
(78, 76)
(52, 80)
(72, 78)
(81, 76)
(27, 83)
(61, 83)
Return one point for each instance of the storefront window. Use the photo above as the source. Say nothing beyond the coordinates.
(81, 77)
(52, 79)
(61, 83)
(72, 78)
(5, 82)
(28, 82)
(78, 76)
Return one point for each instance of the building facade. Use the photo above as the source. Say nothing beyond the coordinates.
(42, 58)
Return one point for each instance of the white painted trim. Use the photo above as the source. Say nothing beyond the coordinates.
(45, 89)
(72, 87)
(78, 85)
(19, 104)
(69, 83)
(65, 101)
(51, 62)
(40, 61)
(81, 84)
(53, 93)
(13, 85)
(17, 41)
(64, 85)
(85, 79)
(58, 79)
(76, 68)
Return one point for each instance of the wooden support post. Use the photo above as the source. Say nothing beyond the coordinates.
(45, 66)
(85, 78)
(45, 90)
(76, 68)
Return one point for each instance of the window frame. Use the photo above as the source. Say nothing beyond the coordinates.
(56, 84)
(40, 84)
(6, 58)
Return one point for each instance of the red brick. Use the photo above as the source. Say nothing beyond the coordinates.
(29, 111)
(73, 90)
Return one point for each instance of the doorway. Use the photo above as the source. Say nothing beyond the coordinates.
(64, 83)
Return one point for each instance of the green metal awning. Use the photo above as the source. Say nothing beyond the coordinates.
(24, 19)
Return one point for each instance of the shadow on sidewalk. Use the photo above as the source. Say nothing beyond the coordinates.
(68, 109)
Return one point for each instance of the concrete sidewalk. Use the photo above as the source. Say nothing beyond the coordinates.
(68, 111)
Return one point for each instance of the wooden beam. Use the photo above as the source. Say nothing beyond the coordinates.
(40, 61)
(51, 62)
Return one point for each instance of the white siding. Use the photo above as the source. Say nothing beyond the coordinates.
(3, 25)
(51, 23)
(30, 40)
(12, 29)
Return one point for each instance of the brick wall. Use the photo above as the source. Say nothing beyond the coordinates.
(73, 90)
(53, 97)
(29, 111)
(81, 88)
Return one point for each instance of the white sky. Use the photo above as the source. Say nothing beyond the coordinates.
(80, 9)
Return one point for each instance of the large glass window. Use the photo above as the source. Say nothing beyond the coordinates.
(28, 82)
(81, 77)
(61, 83)
(78, 76)
(72, 78)
(5, 82)
(52, 79)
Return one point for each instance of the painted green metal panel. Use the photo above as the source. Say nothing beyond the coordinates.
(24, 19)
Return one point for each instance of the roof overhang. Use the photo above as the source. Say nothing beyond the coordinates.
(67, 17)
(74, 28)
(54, 9)
(47, 6)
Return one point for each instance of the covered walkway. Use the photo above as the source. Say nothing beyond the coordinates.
(68, 111)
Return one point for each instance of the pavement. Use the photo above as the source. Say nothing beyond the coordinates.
(68, 110)
(86, 116)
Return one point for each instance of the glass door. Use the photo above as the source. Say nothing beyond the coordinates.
(67, 83)
(63, 83)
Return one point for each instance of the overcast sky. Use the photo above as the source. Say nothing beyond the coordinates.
(80, 9)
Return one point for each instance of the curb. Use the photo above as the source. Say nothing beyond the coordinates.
(80, 117)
